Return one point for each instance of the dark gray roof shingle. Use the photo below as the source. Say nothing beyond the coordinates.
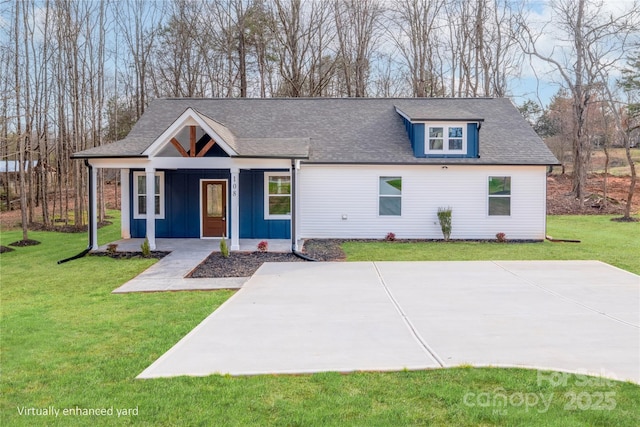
(342, 130)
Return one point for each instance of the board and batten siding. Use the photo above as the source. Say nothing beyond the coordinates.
(330, 193)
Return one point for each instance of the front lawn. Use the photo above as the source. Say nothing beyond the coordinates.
(616, 243)
(68, 344)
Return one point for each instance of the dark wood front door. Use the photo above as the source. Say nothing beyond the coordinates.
(214, 208)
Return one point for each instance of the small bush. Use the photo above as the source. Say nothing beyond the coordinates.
(501, 237)
(224, 249)
(444, 216)
(263, 246)
(390, 237)
(146, 249)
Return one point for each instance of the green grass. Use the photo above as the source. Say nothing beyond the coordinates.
(68, 342)
(601, 239)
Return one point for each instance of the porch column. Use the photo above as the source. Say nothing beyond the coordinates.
(94, 208)
(294, 205)
(235, 209)
(125, 209)
(151, 206)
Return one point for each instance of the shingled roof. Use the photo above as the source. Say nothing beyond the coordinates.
(342, 130)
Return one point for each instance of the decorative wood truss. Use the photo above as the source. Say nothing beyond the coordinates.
(192, 145)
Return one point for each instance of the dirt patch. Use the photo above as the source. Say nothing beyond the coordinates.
(561, 202)
(4, 249)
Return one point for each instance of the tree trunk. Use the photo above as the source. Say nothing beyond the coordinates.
(632, 184)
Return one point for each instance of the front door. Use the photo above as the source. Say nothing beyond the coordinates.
(214, 208)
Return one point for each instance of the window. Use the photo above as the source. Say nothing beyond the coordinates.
(500, 195)
(277, 195)
(140, 195)
(390, 195)
(446, 139)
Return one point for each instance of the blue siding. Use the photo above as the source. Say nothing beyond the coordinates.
(252, 222)
(472, 140)
(418, 144)
(182, 204)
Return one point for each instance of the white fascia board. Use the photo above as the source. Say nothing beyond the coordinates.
(186, 119)
(120, 163)
(192, 163)
(218, 163)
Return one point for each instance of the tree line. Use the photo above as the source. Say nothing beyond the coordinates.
(78, 74)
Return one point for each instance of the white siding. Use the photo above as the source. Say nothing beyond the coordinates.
(327, 193)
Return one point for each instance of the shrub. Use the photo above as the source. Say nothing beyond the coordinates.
(146, 249)
(501, 237)
(444, 216)
(224, 249)
(390, 237)
(263, 246)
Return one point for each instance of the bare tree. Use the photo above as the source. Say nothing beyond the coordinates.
(416, 35)
(138, 22)
(296, 25)
(358, 31)
(597, 41)
(630, 121)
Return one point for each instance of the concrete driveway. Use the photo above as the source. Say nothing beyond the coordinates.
(577, 316)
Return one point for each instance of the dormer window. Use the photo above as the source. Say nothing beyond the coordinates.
(446, 139)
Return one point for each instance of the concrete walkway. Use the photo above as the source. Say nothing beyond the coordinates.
(577, 316)
(168, 274)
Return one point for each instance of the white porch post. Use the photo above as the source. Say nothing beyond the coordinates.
(94, 208)
(151, 206)
(295, 217)
(235, 209)
(125, 209)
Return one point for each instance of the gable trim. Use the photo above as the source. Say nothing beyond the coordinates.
(186, 119)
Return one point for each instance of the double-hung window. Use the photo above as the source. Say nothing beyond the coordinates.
(446, 139)
(499, 195)
(390, 196)
(140, 195)
(277, 195)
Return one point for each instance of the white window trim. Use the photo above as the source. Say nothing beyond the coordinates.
(510, 196)
(267, 215)
(445, 138)
(389, 195)
(136, 214)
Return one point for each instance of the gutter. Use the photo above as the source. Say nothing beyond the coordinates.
(91, 215)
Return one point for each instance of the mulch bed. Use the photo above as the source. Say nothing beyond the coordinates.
(4, 249)
(23, 243)
(244, 264)
(131, 254)
(64, 228)
(239, 264)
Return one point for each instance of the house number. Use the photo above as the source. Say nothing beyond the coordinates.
(234, 187)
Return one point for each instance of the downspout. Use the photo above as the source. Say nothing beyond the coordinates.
(91, 214)
(294, 201)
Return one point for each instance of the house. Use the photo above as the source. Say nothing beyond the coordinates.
(328, 168)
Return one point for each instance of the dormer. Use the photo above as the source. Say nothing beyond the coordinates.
(442, 137)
